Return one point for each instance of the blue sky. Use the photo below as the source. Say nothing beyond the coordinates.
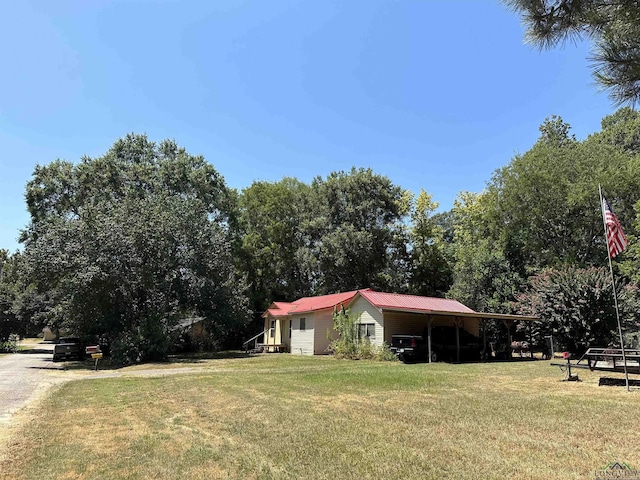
(433, 94)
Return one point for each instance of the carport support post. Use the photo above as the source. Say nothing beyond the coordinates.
(484, 336)
(429, 337)
(508, 324)
(457, 340)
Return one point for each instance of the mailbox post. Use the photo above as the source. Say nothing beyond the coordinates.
(95, 353)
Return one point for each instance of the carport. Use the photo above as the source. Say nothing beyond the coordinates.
(481, 318)
(396, 314)
(416, 322)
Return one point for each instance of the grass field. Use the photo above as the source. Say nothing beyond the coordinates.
(281, 416)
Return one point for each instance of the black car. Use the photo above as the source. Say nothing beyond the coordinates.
(409, 348)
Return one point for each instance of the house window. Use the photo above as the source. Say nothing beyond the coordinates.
(303, 324)
(273, 328)
(367, 330)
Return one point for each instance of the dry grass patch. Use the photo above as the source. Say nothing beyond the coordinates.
(280, 416)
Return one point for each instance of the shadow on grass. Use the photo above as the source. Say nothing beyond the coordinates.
(48, 367)
(176, 359)
(491, 360)
(202, 356)
(617, 382)
(517, 359)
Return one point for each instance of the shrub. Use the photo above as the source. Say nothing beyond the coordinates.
(385, 354)
(10, 345)
(150, 343)
(575, 305)
(348, 345)
(346, 324)
(632, 340)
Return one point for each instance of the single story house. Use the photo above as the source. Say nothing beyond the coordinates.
(305, 326)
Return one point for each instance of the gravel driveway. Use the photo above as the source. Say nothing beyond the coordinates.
(24, 377)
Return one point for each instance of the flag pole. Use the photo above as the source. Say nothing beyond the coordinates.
(615, 295)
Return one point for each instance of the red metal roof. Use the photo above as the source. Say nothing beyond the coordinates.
(279, 309)
(398, 301)
(390, 301)
(394, 301)
(311, 304)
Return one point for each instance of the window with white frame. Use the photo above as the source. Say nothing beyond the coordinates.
(367, 330)
(273, 328)
(303, 323)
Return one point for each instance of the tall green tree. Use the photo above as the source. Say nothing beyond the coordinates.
(275, 245)
(342, 232)
(540, 219)
(8, 320)
(359, 236)
(21, 307)
(129, 243)
(431, 272)
(612, 26)
(483, 277)
(547, 209)
(622, 130)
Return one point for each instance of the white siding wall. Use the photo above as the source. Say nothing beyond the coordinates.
(370, 314)
(323, 323)
(302, 340)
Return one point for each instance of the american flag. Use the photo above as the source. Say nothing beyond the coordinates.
(615, 236)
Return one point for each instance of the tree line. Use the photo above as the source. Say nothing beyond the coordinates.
(129, 244)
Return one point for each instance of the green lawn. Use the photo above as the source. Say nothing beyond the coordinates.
(281, 416)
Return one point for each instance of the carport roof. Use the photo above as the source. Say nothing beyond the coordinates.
(500, 316)
(431, 305)
(398, 301)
